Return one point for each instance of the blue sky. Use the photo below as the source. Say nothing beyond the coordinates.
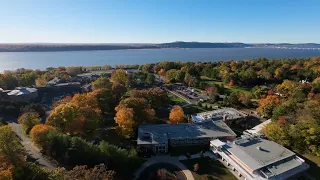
(156, 21)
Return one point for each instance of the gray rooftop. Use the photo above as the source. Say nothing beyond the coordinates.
(257, 153)
(219, 114)
(160, 133)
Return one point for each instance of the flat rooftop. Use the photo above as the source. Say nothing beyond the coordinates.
(219, 114)
(160, 133)
(257, 153)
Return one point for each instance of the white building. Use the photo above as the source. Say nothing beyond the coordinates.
(219, 114)
(257, 130)
(258, 159)
(160, 137)
(25, 94)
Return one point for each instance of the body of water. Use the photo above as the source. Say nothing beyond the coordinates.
(42, 60)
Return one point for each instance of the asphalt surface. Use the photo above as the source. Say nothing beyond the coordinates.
(31, 150)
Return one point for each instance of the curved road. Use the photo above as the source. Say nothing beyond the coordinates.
(33, 151)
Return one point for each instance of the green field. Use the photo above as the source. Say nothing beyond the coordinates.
(175, 99)
(229, 90)
(208, 169)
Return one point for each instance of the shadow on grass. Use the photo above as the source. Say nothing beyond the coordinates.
(208, 168)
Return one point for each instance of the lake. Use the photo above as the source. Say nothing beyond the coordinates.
(41, 60)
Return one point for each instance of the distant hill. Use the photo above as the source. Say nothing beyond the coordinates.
(43, 47)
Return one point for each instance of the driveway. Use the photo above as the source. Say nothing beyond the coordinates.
(165, 159)
(31, 150)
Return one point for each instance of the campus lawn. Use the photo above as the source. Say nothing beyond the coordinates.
(314, 162)
(175, 99)
(229, 90)
(208, 169)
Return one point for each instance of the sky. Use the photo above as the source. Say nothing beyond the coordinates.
(159, 21)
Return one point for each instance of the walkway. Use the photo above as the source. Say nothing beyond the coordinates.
(165, 159)
(33, 151)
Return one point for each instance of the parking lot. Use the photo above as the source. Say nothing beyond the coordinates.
(190, 94)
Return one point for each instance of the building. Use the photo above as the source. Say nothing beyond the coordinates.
(160, 137)
(23, 94)
(258, 159)
(219, 114)
(257, 130)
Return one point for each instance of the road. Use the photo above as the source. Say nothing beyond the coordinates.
(31, 150)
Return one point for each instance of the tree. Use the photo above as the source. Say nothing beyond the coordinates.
(156, 97)
(67, 118)
(10, 148)
(286, 88)
(171, 75)
(28, 120)
(98, 172)
(107, 100)
(74, 70)
(141, 108)
(120, 76)
(40, 81)
(38, 134)
(150, 79)
(233, 98)
(284, 109)
(35, 107)
(276, 132)
(213, 93)
(245, 99)
(101, 83)
(177, 115)
(125, 121)
(266, 105)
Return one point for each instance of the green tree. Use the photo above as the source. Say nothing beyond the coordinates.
(120, 76)
(101, 83)
(10, 148)
(28, 120)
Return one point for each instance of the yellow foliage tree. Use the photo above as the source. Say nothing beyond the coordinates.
(177, 115)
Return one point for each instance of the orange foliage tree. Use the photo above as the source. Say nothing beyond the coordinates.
(266, 105)
(38, 134)
(125, 121)
(177, 115)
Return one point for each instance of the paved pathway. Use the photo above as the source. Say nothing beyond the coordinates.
(33, 151)
(165, 159)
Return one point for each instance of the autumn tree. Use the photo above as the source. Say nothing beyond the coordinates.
(120, 76)
(141, 108)
(98, 172)
(245, 99)
(67, 118)
(40, 81)
(28, 120)
(286, 87)
(276, 132)
(101, 83)
(156, 97)
(64, 100)
(38, 134)
(177, 115)
(74, 70)
(266, 105)
(11, 150)
(126, 123)
(213, 93)
(131, 112)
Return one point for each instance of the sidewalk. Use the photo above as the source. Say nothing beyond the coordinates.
(165, 159)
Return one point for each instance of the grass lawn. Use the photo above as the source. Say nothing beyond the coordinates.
(176, 99)
(314, 162)
(229, 90)
(209, 169)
